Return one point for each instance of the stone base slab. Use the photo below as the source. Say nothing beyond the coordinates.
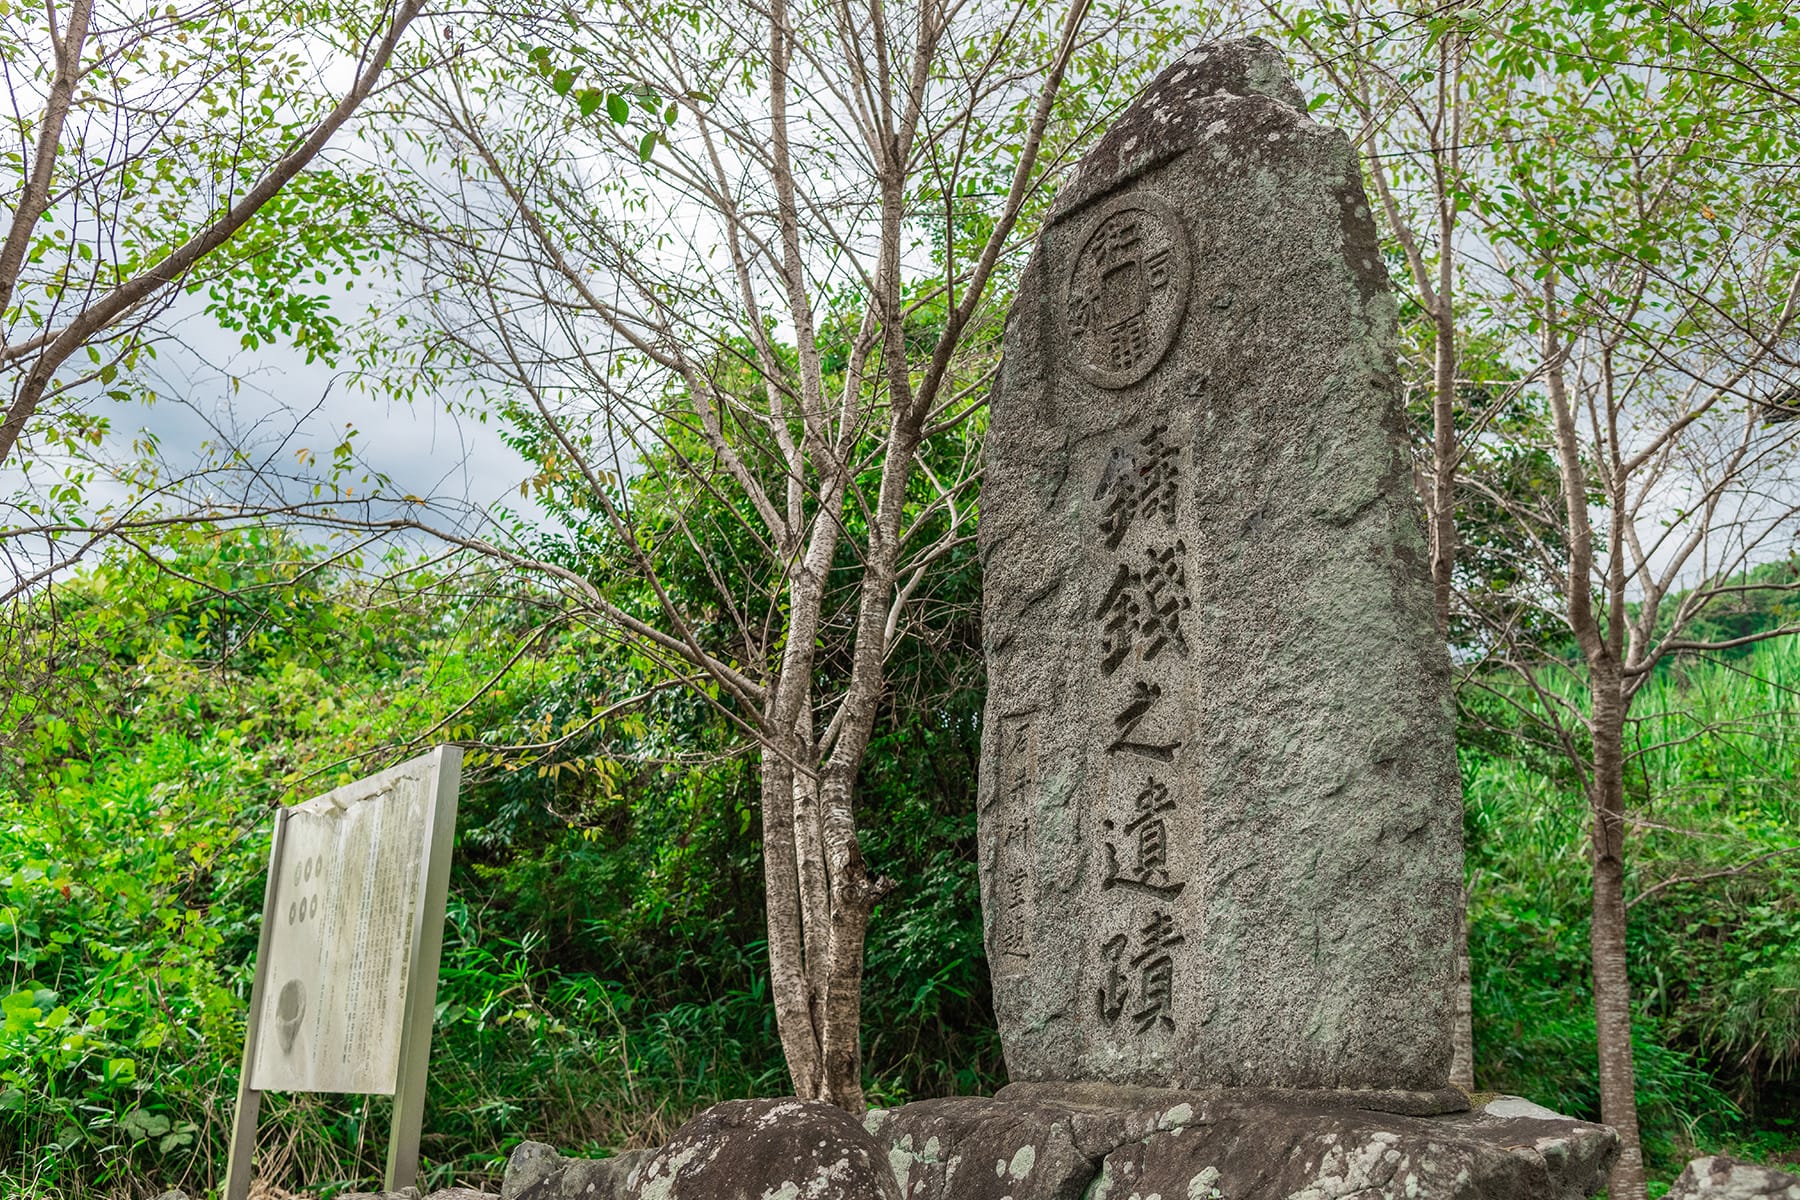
(1115, 1095)
(1032, 1144)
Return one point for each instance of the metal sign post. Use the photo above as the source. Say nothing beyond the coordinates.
(422, 973)
(345, 985)
(243, 1124)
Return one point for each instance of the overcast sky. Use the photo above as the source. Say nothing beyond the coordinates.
(283, 404)
(426, 450)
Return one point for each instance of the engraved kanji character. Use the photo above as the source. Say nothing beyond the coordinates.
(1081, 307)
(1016, 894)
(1151, 802)
(1151, 877)
(1118, 486)
(1159, 474)
(1118, 240)
(1142, 481)
(1015, 855)
(1122, 612)
(1021, 757)
(1165, 594)
(1114, 988)
(1156, 268)
(1144, 697)
(1193, 390)
(1127, 341)
(1156, 967)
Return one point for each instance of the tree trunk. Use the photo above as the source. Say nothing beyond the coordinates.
(1462, 998)
(1442, 519)
(1601, 648)
(1443, 458)
(787, 960)
(1612, 987)
(853, 895)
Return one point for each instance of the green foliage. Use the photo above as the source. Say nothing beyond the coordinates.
(603, 973)
(1714, 939)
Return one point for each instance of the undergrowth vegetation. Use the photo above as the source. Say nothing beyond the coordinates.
(1714, 895)
(603, 975)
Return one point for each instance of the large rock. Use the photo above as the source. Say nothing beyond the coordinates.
(537, 1172)
(412, 1193)
(1723, 1178)
(1223, 1146)
(768, 1150)
(1220, 815)
(973, 1148)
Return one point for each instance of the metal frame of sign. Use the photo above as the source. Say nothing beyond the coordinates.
(444, 771)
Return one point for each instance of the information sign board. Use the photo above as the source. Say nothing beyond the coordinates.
(346, 971)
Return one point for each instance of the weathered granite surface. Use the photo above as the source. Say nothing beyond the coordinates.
(1720, 1177)
(1116, 1095)
(1219, 806)
(455, 1193)
(411, 1193)
(767, 1150)
(1212, 1147)
(537, 1172)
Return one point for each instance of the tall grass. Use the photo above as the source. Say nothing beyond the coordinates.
(1713, 879)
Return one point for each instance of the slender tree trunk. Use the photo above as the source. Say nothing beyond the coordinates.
(787, 959)
(1612, 986)
(1442, 523)
(808, 833)
(1443, 458)
(854, 892)
(853, 896)
(1462, 999)
(1601, 648)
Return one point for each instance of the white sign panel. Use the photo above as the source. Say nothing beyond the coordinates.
(341, 920)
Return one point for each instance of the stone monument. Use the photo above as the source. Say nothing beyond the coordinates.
(1220, 816)
(1220, 813)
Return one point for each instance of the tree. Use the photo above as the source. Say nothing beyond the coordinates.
(1599, 190)
(163, 151)
(1640, 254)
(730, 275)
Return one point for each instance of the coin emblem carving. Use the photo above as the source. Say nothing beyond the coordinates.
(1126, 290)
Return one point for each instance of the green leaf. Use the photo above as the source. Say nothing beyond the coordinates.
(646, 146)
(562, 81)
(143, 1125)
(617, 109)
(589, 101)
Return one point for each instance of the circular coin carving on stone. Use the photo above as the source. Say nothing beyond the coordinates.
(1126, 290)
